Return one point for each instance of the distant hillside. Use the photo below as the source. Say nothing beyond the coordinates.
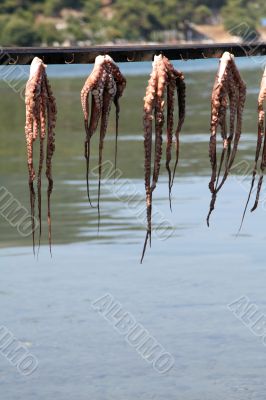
(85, 22)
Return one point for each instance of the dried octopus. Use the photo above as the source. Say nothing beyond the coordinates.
(229, 90)
(164, 79)
(261, 140)
(40, 122)
(106, 85)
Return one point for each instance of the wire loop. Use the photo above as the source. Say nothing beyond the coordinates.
(71, 61)
(14, 62)
(131, 59)
(182, 58)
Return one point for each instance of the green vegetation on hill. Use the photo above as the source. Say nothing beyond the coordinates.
(241, 17)
(45, 22)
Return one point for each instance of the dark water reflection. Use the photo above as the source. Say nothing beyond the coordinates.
(71, 222)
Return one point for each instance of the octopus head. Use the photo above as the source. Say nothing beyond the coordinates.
(157, 59)
(99, 60)
(37, 66)
(224, 60)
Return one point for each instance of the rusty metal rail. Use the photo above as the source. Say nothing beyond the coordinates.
(87, 55)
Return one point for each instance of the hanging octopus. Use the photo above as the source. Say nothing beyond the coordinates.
(261, 139)
(40, 122)
(164, 81)
(106, 85)
(228, 90)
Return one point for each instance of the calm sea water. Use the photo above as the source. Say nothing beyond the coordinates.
(181, 291)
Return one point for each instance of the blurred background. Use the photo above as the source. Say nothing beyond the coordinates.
(81, 22)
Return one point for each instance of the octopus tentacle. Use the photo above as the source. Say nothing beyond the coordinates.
(215, 120)
(164, 79)
(41, 159)
(175, 80)
(149, 103)
(241, 97)
(223, 126)
(261, 136)
(217, 187)
(117, 111)
(120, 87)
(87, 149)
(181, 96)
(228, 88)
(51, 115)
(32, 102)
(32, 191)
(94, 120)
(224, 151)
(262, 168)
(218, 111)
(159, 121)
(214, 124)
(108, 96)
(40, 106)
(240, 109)
(169, 132)
(102, 96)
(91, 86)
(254, 172)
(232, 93)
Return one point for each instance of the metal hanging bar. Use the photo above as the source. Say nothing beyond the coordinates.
(87, 55)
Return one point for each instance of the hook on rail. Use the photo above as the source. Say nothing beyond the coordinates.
(182, 58)
(13, 62)
(130, 53)
(249, 53)
(72, 59)
(133, 57)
